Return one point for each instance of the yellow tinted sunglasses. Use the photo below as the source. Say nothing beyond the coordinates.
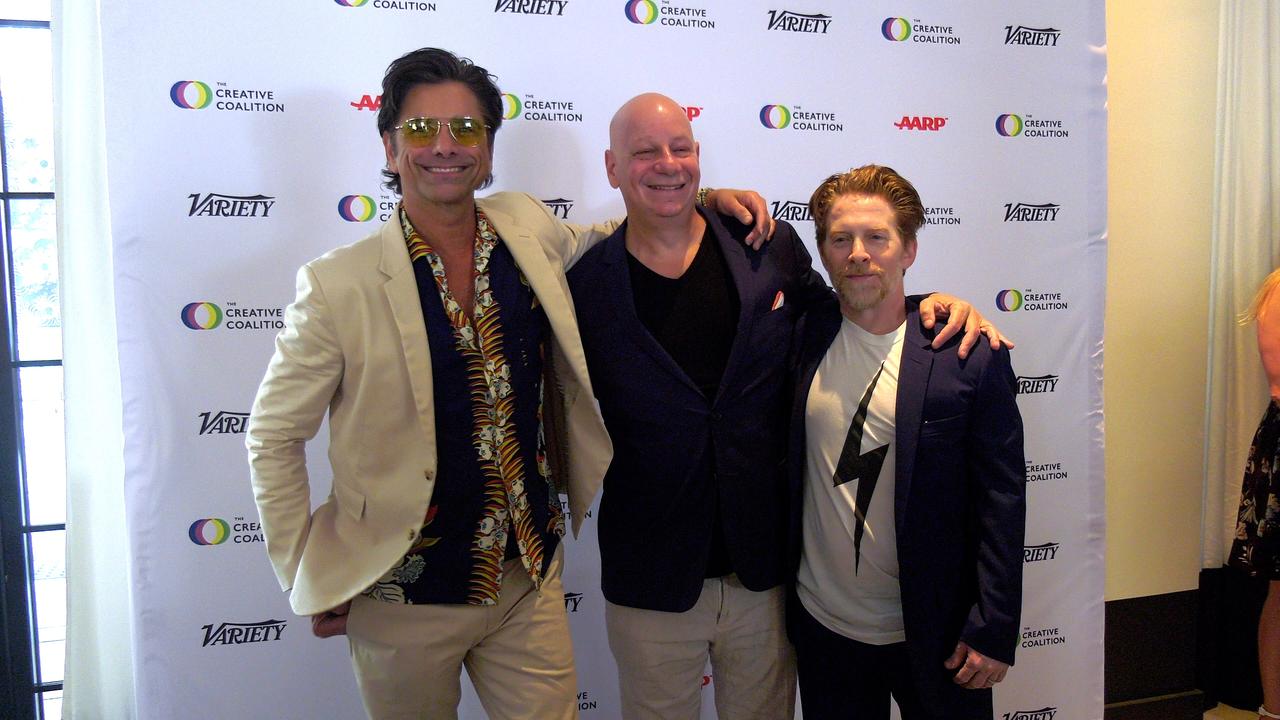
(420, 131)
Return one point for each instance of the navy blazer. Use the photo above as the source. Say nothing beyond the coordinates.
(656, 511)
(960, 494)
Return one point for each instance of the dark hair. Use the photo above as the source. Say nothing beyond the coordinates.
(876, 180)
(430, 66)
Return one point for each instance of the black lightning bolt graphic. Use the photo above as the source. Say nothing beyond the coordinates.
(863, 467)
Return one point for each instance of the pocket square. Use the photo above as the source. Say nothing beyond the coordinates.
(778, 300)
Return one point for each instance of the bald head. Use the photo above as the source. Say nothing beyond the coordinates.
(652, 157)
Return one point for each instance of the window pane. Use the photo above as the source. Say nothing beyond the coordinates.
(52, 702)
(49, 555)
(43, 435)
(26, 89)
(25, 10)
(35, 281)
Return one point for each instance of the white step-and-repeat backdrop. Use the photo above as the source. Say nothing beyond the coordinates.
(241, 143)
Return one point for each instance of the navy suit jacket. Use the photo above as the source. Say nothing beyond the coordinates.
(960, 494)
(656, 512)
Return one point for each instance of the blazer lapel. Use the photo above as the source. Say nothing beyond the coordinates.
(749, 285)
(913, 385)
(401, 289)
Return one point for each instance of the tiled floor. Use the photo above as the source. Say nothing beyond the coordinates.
(1222, 712)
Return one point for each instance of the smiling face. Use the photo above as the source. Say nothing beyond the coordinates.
(865, 256)
(443, 172)
(653, 159)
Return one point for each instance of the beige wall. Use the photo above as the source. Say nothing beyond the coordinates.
(1162, 80)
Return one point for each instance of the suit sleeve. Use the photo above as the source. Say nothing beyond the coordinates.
(808, 288)
(572, 240)
(994, 456)
(300, 383)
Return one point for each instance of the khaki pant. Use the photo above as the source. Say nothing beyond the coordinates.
(661, 656)
(408, 658)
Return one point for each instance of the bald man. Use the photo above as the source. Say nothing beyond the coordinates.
(686, 331)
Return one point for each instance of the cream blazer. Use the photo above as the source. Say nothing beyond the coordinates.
(355, 346)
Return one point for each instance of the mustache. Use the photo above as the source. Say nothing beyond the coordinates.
(863, 272)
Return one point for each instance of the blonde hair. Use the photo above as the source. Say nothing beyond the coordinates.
(1268, 286)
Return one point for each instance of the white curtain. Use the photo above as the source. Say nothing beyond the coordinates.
(1246, 246)
(99, 657)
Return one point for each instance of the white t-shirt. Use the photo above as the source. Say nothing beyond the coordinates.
(850, 583)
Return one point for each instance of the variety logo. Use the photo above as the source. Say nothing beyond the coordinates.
(368, 102)
(1040, 637)
(195, 95)
(571, 600)
(1010, 125)
(788, 21)
(532, 108)
(219, 205)
(791, 211)
(207, 316)
(647, 12)
(1047, 713)
(1039, 553)
(921, 122)
(191, 94)
(531, 7)
(559, 207)
(900, 29)
(216, 531)
(1028, 212)
(1029, 301)
(941, 216)
(1023, 35)
(390, 5)
(1029, 385)
(1039, 472)
(229, 633)
(223, 422)
(778, 117)
(356, 208)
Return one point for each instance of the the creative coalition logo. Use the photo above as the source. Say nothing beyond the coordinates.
(356, 208)
(791, 211)
(1037, 385)
(648, 12)
(531, 7)
(222, 422)
(568, 514)
(780, 117)
(368, 102)
(1040, 553)
(205, 315)
(390, 5)
(1041, 471)
(1023, 35)
(928, 123)
(530, 107)
(1039, 637)
(559, 207)
(1010, 125)
(900, 29)
(216, 531)
(585, 702)
(1029, 300)
(1031, 212)
(941, 216)
(788, 21)
(219, 205)
(1044, 713)
(571, 600)
(232, 633)
(195, 95)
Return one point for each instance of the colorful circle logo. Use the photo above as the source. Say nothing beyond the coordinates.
(351, 3)
(356, 208)
(775, 117)
(1009, 125)
(895, 29)
(511, 106)
(209, 531)
(1009, 300)
(190, 94)
(201, 315)
(642, 12)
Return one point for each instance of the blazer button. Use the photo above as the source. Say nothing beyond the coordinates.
(412, 533)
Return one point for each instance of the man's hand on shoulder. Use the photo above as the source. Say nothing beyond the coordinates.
(749, 207)
(975, 670)
(331, 622)
(960, 315)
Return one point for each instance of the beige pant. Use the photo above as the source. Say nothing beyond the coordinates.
(408, 658)
(661, 656)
